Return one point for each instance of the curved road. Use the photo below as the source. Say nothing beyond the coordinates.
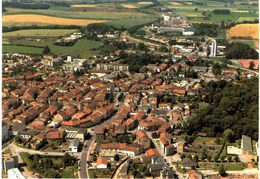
(85, 152)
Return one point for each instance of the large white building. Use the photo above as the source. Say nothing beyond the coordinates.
(74, 145)
(15, 174)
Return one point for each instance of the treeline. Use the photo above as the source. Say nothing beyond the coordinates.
(206, 29)
(15, 28)
(25, 6)
(199, 62)
(55, 3)
(137, 62)
(100, 28)
(221, 11)
(240, 51)
(230, 106)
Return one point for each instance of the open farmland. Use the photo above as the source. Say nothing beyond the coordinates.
(248, 30)
(111, 16)
(39, 32)
(129, 6)
(48, 20)
(82, 47)
(145, 2)
(83, 5)
(21, 49)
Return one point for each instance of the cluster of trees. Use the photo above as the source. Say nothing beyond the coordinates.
(100, 28)
(15, 28)
(230, 106)
(25, 6)
(137, 62)
(199, 62)
(218, 68)
(221, 11)
(241, 51)
(206, 29)
(191, 74)
(138, 170)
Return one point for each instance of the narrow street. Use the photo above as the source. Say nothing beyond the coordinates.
(168, 158)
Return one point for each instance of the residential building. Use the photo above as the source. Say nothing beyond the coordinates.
(9, 161)
(102, 163)
(15, 174)
(74, 145)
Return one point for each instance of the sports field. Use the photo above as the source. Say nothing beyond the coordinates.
(40, 32)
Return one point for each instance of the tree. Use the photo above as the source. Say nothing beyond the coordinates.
(196, 157)
(46, 50)
(209, 158)
(216, 158)
(116, 157)
(196, 9)
(222, 170)
(189, 156)
(236, 158)
(182, 156)
(251, 65)
(228, 134)
(222, 158)
(229, 158)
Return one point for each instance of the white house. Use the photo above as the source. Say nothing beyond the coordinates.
(74, 145)
(15, 174)
(101, 163)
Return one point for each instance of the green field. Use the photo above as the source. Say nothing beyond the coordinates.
(67, 174)
(81, 47)
(251, 43)
(237, 14)
(8, 151)
(119, 17)
(39, 32)
(21, 49)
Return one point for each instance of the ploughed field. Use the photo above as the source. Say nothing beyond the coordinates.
(244, 30)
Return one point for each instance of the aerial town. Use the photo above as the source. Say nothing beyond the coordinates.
(158, 100)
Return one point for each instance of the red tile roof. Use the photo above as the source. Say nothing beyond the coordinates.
(152, 152)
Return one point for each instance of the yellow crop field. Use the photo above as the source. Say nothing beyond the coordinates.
(145, 2)
(49, 20)
(175, 3)
(83, 5)
(239, 11)
(243, 30)
(128, 6)
(189, 3)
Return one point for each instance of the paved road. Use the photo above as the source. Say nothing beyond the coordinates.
(168, 159)
(85, 152)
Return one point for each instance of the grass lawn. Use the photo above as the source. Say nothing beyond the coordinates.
(203, 105)
(233, 166)
(207, 140)
(251, 42)
(67, 174)
(39, 32)
(8, 151)
(81, 47)
(21, 49)
(91, 173)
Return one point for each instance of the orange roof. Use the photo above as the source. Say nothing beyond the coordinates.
(101, 161)
(55, 135)
(152, 152)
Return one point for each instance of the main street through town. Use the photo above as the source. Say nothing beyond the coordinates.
(83, 173)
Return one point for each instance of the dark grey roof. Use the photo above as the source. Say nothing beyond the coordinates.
(156, 166)
(196, 68)
(124, 169)
(246, 143)
(186, 161)
(18, 126)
